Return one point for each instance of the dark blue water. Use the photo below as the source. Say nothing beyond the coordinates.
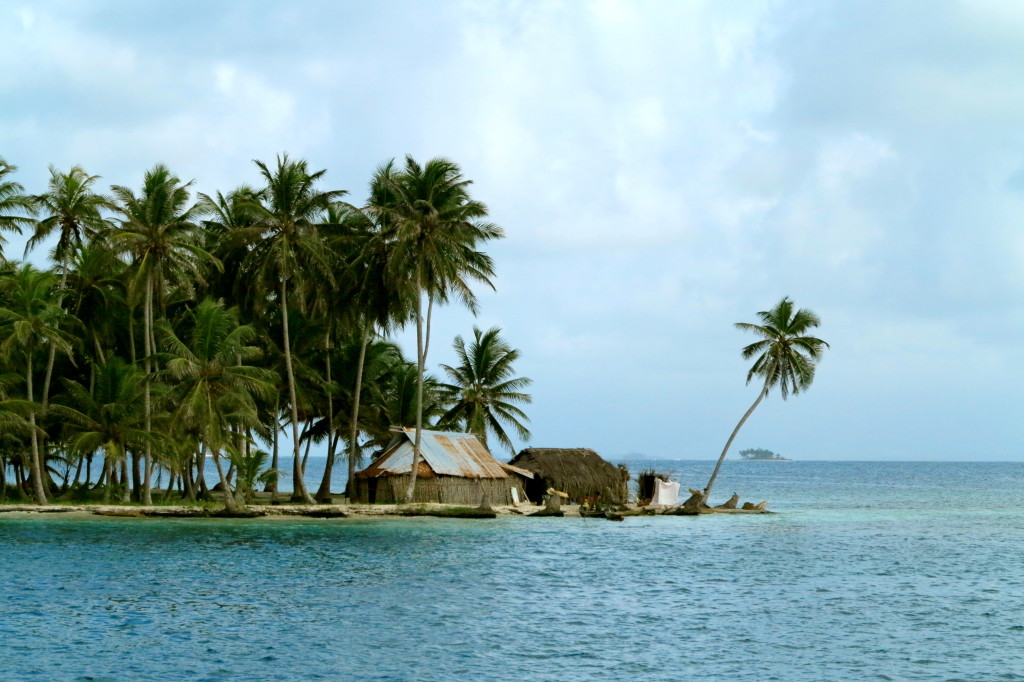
(871, 571)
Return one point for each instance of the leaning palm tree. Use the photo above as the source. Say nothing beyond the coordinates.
(786, 358)
(437, 228)
(485, 390)
(214, 388)
(15, 205)
(287, 252)
(157, 230)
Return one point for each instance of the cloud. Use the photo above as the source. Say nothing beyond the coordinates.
(662, 170)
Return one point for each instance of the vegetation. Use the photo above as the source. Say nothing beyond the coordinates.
(484, 389)
(175, 329)
(760, 454)
(785, 358)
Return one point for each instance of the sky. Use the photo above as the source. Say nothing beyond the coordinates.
(662, 170)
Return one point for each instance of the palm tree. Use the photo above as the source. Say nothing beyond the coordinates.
(437, 227)
(73, 210)
(157, 230)
(485, 389)
(110, 417)
(214, 388)
(786, 358)
(379, 304)
(288, 249)
(30, 320)
(15, 205)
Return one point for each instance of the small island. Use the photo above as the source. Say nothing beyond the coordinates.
(762, 455)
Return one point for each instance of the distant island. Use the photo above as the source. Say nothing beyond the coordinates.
(760, 455)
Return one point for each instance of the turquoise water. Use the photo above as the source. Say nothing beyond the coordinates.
(871, 571)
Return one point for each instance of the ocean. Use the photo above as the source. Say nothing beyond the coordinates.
(868, 571)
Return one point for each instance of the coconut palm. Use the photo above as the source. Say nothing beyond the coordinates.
(785, 358)
(485, 390)
(31, 320)
(437, 227)
(73, 211)
(158, 231)
(15, 205)
(214, 388)
(110, 417)
(378, 303)
(288, 251)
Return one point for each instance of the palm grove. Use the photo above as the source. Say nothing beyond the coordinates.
(177, 329)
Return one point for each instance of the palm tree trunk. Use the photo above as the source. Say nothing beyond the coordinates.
(186, 479)
(309, 444)
(421, 361)
(53, 345)
(147, 496)
(353, 431)
(37, 468)
(78, 470)
(107, 477)
(721, 458)
(203, 491)
(299, 493)
(271, 487)
(229, 495)
(125, 487)
(323, 493)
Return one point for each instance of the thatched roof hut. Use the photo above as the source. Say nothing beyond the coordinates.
(579, 472)
(455, 468)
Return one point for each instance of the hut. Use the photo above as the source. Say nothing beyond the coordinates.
(578, 472)
(455, 468)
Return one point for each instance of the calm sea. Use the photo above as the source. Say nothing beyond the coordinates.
(870, 571)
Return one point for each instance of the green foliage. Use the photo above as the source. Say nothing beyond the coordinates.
(759, 453)
(15, 205)
(170, 327)
(484, 389)
(251, 471)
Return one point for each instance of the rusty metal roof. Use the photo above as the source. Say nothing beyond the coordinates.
(447, 453)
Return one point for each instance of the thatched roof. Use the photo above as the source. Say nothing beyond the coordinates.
(580, 472)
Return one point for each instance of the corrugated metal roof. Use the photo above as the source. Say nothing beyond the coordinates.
(447, 453)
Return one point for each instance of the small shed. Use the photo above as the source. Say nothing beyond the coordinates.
(455, 468)
(579, 472)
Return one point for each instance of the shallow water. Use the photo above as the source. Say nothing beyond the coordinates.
(902, 571)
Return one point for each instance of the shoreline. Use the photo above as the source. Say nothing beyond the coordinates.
(308, 511)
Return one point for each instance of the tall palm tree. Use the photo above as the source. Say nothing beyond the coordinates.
(379, 303)
(74, 211)
(31, 320)
(786, 358)
(437, 228)
(288, 251)
(485, 389)
(214, 386)
(15, 205)
(158, 231)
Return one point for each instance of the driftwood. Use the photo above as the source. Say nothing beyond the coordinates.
(760, 506)
(731, 503)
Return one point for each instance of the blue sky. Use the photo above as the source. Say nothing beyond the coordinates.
(662, 170)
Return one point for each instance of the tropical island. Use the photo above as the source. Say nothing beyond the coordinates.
(761, 455)
(174, 331)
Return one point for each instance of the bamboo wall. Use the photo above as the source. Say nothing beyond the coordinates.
(441, 489)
